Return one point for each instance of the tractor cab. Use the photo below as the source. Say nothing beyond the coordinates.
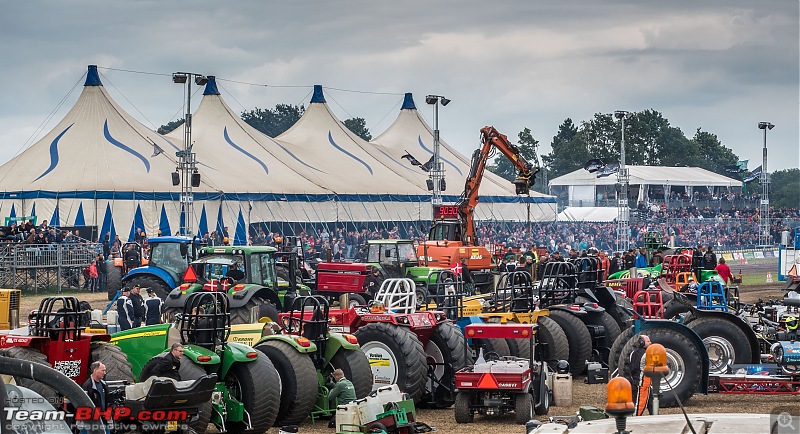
(445, 230)
(393, 256)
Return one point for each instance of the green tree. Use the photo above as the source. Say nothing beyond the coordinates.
(168, 128)
(273, 122)
(569, 151)
(601, 138)
(783, 189)
(359, 127)
(713, 155)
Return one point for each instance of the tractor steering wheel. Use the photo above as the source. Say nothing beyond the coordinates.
(491, 356)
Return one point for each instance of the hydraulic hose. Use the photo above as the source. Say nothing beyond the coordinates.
(52, 378)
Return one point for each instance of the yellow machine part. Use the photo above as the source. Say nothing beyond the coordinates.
(9, 308)
(515, 317)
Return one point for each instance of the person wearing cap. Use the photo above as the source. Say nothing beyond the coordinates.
(691, 287)
(138, 306)
(125, 310)
(152, 306)
(372, 283)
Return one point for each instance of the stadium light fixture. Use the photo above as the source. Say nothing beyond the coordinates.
(186, 175)
(764, 237)
(436, 172)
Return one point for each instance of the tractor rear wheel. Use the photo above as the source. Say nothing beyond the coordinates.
(396, 356)
(523, 408)
(445, 355)
(298, 380)
(355, 365)
(578, 338)
(144, 281)
(683, 359)
(117, 365)
(463, 412)
(113, 279)
(255, 309)
(616, 348)
(519, 348)
(726, 343)
(356, 300)
(31, 355)
(192, 371)
(257, 385)
(550, 333)
(609, 325)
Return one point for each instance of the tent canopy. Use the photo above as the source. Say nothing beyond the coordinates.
(588, 214)
(652, 175)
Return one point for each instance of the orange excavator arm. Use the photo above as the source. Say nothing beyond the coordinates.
(526, 176)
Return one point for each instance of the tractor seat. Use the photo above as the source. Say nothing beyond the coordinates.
(138, 391)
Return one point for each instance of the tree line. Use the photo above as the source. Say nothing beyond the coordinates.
(650, 140)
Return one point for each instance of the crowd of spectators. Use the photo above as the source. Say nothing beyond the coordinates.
(42, 234)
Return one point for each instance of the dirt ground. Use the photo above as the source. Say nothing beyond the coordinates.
(583, 394)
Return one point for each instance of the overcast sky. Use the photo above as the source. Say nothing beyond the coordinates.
(719, 65)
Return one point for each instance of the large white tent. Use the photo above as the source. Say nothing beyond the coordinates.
(410, 134)
(583, 188)
(100, 167)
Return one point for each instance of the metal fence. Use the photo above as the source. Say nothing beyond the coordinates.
(45, 266)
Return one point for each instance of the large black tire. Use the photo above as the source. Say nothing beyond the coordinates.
(258, 385)
(616, 348)
(298, 381)
(403, 349)
(550, 333)
(523, 408)
(31, 355)
(355, 365)
(683, 359)
(519, 348)
(445, 349)
(673, 307)
(578, 338)
(463, 413)
(159, 287)
(251, 311)
(117, 365)
(192, 371)
(621, 316)
(726, 343)
(542, 401)
(356, 300)
(609, 324)
(113, 279)
(282, 270)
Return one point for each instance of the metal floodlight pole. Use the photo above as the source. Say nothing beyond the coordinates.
(764, 238)
(623, 210)
(436, 171)
(187, 158)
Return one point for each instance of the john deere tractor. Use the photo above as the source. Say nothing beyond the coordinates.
(247, 396)
(245, 273)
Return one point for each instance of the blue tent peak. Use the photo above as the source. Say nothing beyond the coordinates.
(408, 102)
(92, 77)
(211, 86)
(318, 96)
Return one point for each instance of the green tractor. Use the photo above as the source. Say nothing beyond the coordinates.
(305, 353)
(247, 397)
(245, 273)
(398, 259)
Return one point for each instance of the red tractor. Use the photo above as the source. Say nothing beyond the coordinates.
(55, 337)
(418, 351)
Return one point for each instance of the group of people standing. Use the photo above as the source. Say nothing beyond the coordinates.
(134, 311)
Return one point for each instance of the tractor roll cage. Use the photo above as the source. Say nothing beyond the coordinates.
(448, 292)
(589, 271)
(58, 315)
(308, 317)
(205, 321)
(557, 284)
(514, 292)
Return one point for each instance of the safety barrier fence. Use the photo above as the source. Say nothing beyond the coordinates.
(45, 266)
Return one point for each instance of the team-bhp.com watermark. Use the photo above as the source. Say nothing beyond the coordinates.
(121, 416)
(785, 420)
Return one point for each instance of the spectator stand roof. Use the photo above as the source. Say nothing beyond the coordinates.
(588, 214)
(652, 175)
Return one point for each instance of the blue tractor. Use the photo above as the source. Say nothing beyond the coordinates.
(167, 260)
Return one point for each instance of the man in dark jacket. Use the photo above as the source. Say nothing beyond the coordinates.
(125, 310)
(372, 283)
(138, 306)
(96, 387)
(166, 365)
(710, 258)
(152, 308)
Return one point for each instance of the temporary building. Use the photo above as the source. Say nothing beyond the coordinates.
(581, 188)
(588, 214)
